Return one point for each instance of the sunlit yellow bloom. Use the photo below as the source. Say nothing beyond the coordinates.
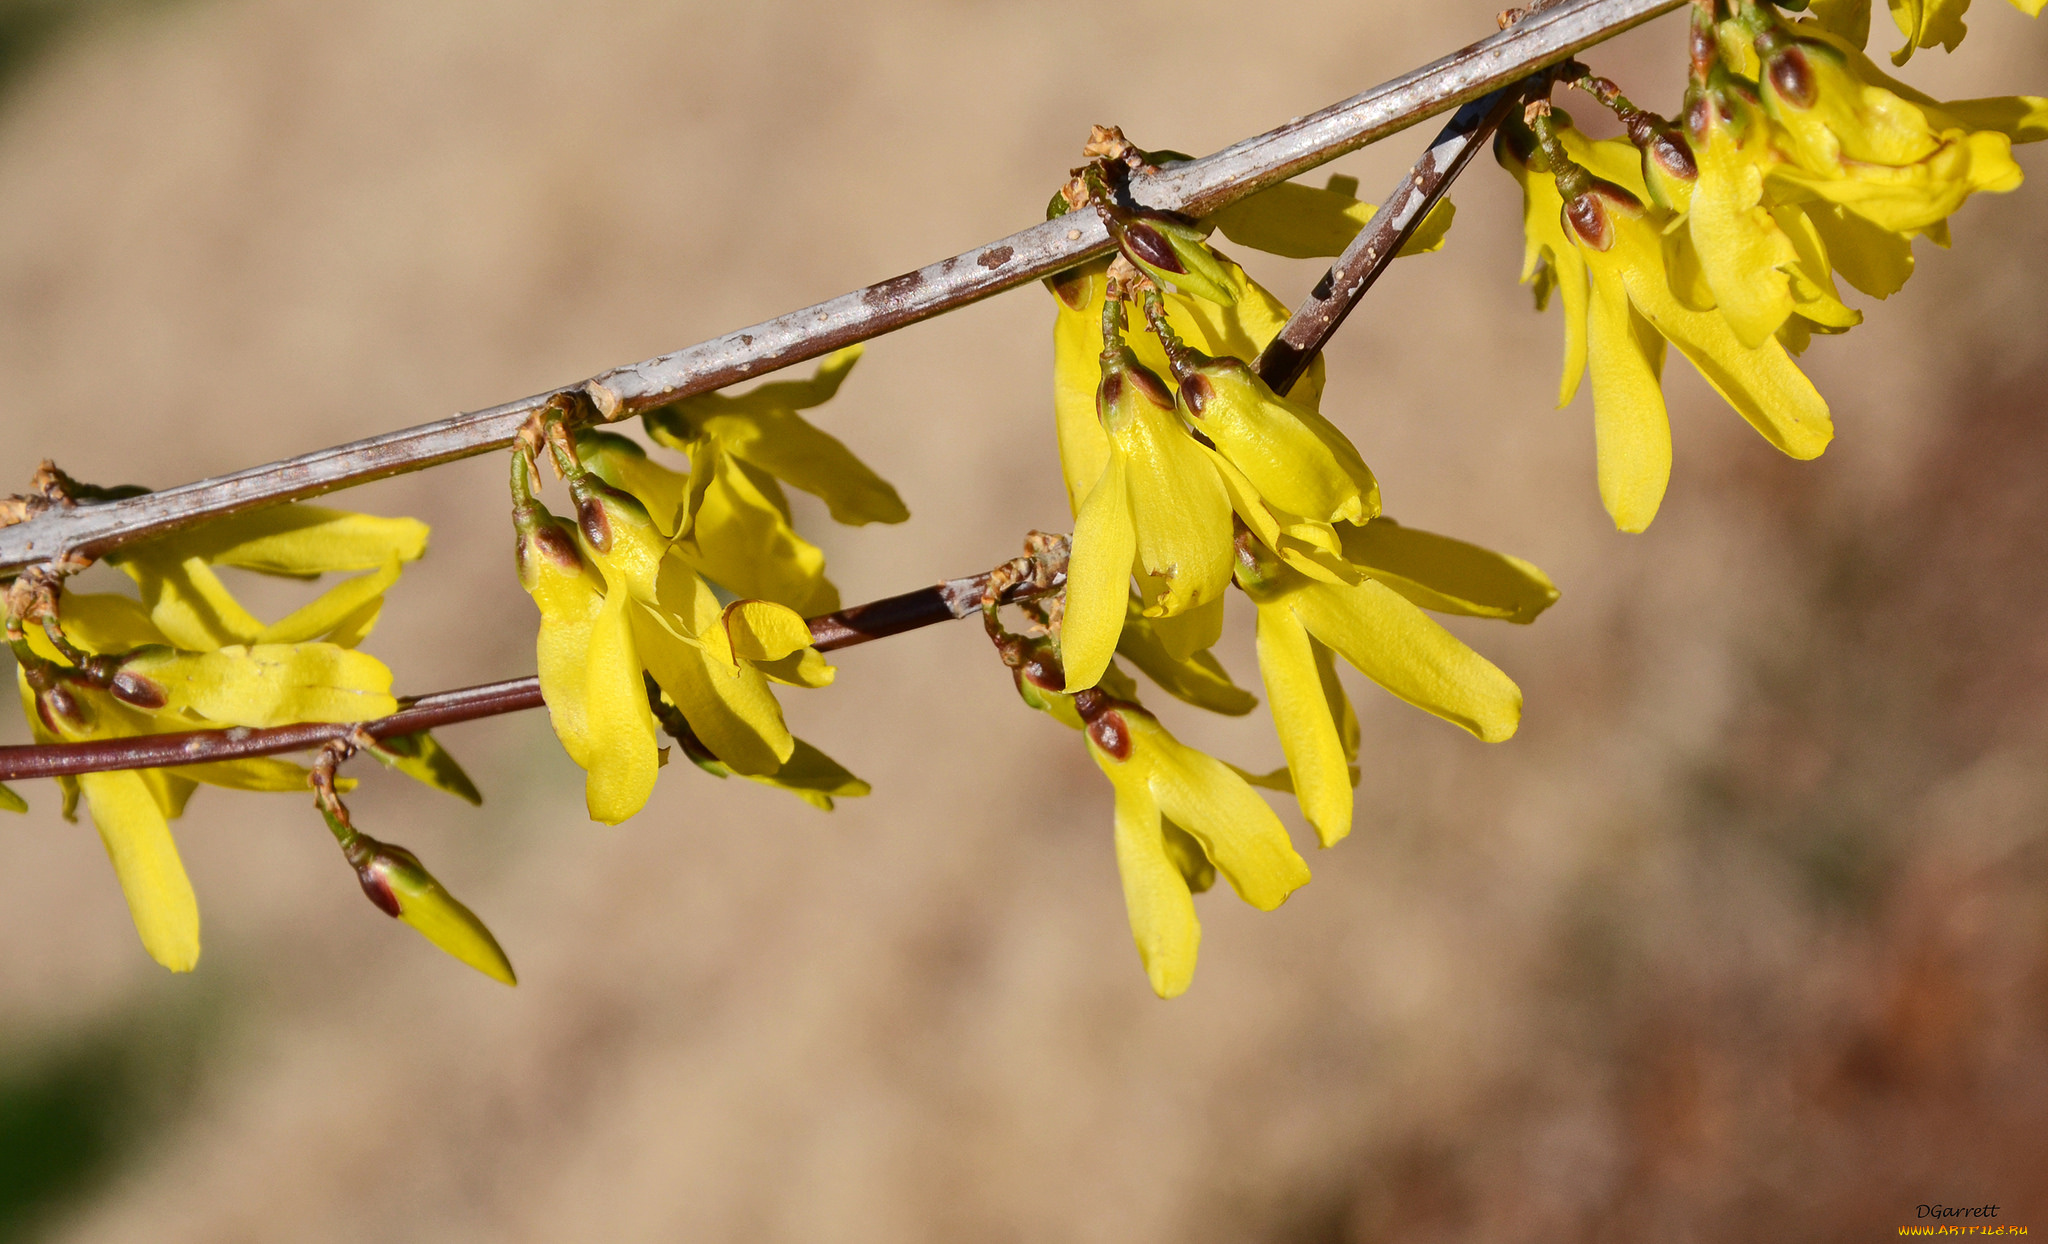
(646, 609)
(1181, 817)
(396, 881)
(188, 656)
(762, 429)
(731, 519)
(1377, 629)
(1240, 330)
(1158, 507)
(1763, 260)
(1632, 260)
(1904, 164)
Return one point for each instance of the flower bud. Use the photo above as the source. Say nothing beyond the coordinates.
(1126, 385)
(394, 879)
(1172, 253)
(1298, 461)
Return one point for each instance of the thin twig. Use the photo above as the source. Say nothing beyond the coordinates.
(1289, 354)
(942, 602)
(1195, 188)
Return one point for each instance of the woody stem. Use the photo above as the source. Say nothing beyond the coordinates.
(1194, 188)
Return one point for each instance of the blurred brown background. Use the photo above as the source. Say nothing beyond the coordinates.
(1744, 937)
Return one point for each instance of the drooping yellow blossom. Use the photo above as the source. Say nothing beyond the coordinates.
(646, 609)
(1240, 330)
(1158, 507)
(1379, 630)
(731, 519)
(1904, 164)
(762, 429)
(188, 656)
(1181, 817)
(1632, 261)
(1762, 259)
(394, 879)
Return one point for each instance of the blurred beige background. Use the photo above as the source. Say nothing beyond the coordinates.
(1744, 937)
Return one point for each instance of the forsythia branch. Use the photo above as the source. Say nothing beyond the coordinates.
(1195, 188)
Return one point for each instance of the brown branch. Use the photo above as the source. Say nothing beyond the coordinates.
(1195, 188)
(1401, 213)
(892, 615)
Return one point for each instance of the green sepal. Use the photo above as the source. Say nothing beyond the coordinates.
(11, 801)
(422, 758)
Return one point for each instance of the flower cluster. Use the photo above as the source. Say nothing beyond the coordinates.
(1797, 161)
(676, 599)
(186, 655)
(1190, 476)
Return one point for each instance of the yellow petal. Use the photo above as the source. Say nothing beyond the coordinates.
(138, 841)
(1876, 261)
(1741, 248)
(761, 631)
(1631, 432)
(100, 623)
(2022, 118)
(1098, 579)
(1301, 715)
(1449, 576)
(258, 773)
(1156, 897)
(623, 752)
(1198, 679)
(1077, 344)
(270, 684)
(422, 758)
(1397, 646)
(1763, 384)
(741, 538)
(1179, 513)
(297, 541)
(189, 605)
(1185, 634)
(1238, 832)
(340, 609)
(811, 776)
(728, 703)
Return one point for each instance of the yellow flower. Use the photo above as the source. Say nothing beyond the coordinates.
(1379, 630)
(647, 609)
(1240, 329)
(1631, 260)
(731, 519)
(762, 429)
(1763, 259)
(1158, 506)
(188, 656)
(396, 881)
(1181, 817)
(1905, 164)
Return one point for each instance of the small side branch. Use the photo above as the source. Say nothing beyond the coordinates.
(892, 615)
(1316, 320)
